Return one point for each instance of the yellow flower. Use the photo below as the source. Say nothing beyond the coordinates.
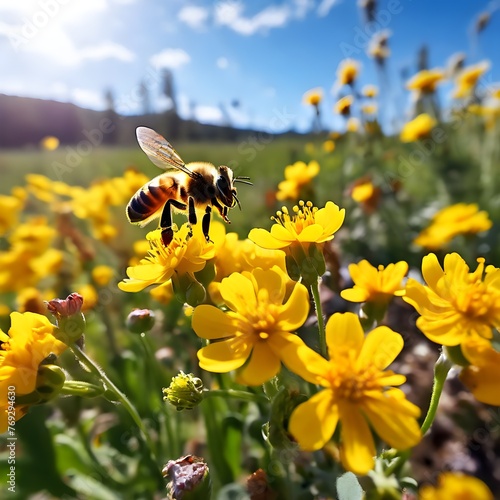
(297, 176)
(348, 71)
(89, 294)
(353, 124)
(255, 329)
(343, 106)
(369, 109)
(102, 275)
(451, 221)
(186, 254)
(307, 225)
(455, 304)
(455, 485)
(10, 208)
(329, 146)
(418, 128)
(370, 91)
(357, 392)
(313, 97)
(364, 192)
(467, 79)
(49, 143)
(30, 299)
(373, 284)
(425, 81)
(29, 341)
(482, 376)
(378, 46)
(163, 293)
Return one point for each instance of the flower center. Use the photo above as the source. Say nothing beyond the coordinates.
(350, 383)
(304, 215)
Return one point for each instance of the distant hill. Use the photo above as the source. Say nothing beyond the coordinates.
(25, 121)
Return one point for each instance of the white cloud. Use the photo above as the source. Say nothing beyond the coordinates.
(193, 16)
(88, 98)
(325, 6)
(222, 63)
(107, 50)
(208, 114)
(170, 58)
(230, 14)
(302, 7)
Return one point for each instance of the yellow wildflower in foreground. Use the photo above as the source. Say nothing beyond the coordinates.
(451, 221)
(373, 284)
(455, 304)
(455, 485)
(313, 97)
(348, 71)
(308, 225)
(418, 128)
(482, 376)
(425, 81)
(186, 254)
(297, 176)
(256, 329)
(357, 393)
(29, 341)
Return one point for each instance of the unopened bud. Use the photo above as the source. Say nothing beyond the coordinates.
(189, 478)
(49, 381)
(63, 308)
(140, 320)
(184, 392)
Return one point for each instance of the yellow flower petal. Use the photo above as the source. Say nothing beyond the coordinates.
(222, 357)
(394, 418)
(313, 423)
(264, 239)
(358, 448)
(272, 283)
(343, 331)
(311, 234)
(294, 312)
(263, 365)
(380, 348)
(211, 323)
(238, 293)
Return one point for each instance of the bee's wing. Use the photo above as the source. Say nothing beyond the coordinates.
(160, 151)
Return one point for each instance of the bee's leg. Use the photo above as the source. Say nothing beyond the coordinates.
(222, 210)
(167, 233)
(205, 223)
(192, 211)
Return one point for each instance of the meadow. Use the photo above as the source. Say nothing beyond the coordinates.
(345, 343)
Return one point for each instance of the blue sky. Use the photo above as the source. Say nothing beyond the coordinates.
(265, 54)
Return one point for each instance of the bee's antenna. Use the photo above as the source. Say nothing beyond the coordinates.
(243, 180)
(237, 201)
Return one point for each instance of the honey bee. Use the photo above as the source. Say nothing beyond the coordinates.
(182, 187)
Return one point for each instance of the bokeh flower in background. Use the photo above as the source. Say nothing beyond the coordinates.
(451, 221)
(455, 485)
(425, 81)
(418, 128)
(467, 79)
(297, 177)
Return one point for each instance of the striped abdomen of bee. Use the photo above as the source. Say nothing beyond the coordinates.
(147, 204)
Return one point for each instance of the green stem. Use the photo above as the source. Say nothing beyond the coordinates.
(441, 369)
(232, 393)
(321, 321)
(117, 396)
(82, 389)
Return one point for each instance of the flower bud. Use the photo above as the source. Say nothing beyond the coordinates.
(49, 382)
(184, 392)
(63, 308)
(140, 320)
(189, 478)
(70, 320)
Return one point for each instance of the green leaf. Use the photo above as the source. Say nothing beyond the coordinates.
(348, 487)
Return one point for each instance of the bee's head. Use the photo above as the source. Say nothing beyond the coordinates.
(226, 192)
